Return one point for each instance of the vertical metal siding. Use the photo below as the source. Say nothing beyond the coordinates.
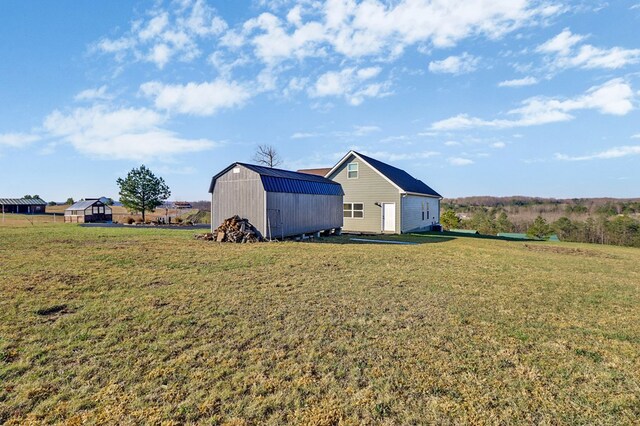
(239, 194)
(303, 213)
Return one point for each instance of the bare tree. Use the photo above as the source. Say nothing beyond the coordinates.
(267, 155)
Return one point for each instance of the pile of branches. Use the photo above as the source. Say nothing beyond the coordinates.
(233, 230)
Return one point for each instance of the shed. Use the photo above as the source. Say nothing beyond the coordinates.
(517, 236)
(23, 205)
(87, 211)
(182, 205)
(279, 203)
(465, 231)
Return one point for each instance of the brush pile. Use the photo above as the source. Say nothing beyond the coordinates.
(233, 230)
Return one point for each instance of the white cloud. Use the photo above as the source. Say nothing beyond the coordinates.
(350, 83)
(566, 52)
(365, 130)
(614, 97)
(452, 143)
(196, 99)
(459, 161)
(303, 135)
(397, 138)
(349, 31)
(498, 145)
(126, 133)
(520, 82)
(17, 140)
(562, 44)
(636, 136)
(160, 54)
(616, 152)
(393, 156)
(167, 34)
(376, 28)
(99, 93)
(462, 64)
(355, 132)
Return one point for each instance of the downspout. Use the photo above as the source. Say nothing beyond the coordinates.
(402, 196)
(264, 216)
(212, 223)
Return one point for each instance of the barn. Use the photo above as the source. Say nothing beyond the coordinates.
(279, 203)
(22, 205)
(87, 211)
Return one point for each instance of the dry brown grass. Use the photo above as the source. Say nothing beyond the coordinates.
(130, 326)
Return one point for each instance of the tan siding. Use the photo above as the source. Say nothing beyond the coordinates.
(293, 214)
(239, 194)
(369, 188)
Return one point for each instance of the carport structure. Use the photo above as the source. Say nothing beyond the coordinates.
(23, 205)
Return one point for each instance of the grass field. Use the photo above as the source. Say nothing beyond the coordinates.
(131, 326)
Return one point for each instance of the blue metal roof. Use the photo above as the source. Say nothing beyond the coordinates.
(278, 180)
(297, 186)
(401, 178)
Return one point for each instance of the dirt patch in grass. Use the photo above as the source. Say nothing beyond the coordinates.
(54, 312)
(573, 251)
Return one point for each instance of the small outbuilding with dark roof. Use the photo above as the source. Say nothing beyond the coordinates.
(382, 198)
(279, 203)
(22, 205)
(87, 211)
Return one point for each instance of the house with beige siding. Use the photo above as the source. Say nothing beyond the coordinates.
(381, 198)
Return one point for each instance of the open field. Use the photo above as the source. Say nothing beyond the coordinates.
(130, 326)
(55, 214)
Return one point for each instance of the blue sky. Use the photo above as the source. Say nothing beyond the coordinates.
(474, 97)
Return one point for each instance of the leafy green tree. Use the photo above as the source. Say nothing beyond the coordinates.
(449, 220)
(142, 191)
(483, 222)
(109, 201)
(27, 197)
(565, 229)
(69, 201)
(52, 203)
(540, 229)
(503, 224)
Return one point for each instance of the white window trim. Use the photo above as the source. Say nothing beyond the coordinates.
(357, 170)
(352, 210)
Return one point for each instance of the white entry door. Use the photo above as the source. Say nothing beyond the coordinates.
(389, 217)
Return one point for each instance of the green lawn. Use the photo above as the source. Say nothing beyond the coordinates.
(130, 326)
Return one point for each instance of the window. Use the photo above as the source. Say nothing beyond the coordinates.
(425, 206)
(353, 210)
(352, 171)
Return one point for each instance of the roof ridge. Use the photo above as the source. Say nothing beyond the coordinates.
(399, 177)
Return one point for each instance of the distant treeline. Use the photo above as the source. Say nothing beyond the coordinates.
(589, 220)
(609, 206)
